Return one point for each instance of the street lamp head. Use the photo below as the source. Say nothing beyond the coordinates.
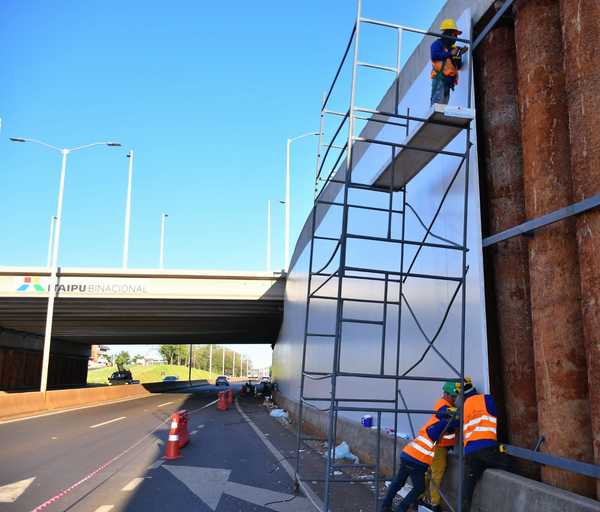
(114, 144)
(18, 139)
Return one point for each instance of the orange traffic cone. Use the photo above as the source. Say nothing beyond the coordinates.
(222, 401)
(172, 448)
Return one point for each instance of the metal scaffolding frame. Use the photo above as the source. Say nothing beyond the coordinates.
(327, 186)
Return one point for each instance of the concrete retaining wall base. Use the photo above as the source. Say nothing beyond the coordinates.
(498, 491)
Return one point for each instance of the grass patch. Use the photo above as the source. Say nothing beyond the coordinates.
(145, 374)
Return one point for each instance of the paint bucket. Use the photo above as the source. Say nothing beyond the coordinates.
(367, 421)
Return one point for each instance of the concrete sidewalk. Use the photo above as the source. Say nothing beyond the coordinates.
(355, 496)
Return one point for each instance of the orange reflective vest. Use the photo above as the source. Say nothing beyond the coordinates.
(447, 439)
(479, 424)
(446, 67)
(421, 447)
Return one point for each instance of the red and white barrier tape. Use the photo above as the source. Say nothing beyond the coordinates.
(67, 490)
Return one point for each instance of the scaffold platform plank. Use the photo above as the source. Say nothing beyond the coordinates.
(443, 124)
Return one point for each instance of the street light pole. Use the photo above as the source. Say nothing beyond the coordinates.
(163, 220)
(223, 361)
(53, 275)
(128, 210)
(52, 224)
(286, 261)
(55, 243)
(190, 373)
(210, 362)
(233, 365)
(269, 236)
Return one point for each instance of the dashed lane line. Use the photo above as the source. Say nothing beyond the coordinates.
(107, 422)
(133, 484)
(166, 403)
(104, 508)
(72, 409)
(67, 490)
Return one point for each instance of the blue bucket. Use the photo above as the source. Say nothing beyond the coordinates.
(367, 421)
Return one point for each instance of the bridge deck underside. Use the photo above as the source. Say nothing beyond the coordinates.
(147, 321)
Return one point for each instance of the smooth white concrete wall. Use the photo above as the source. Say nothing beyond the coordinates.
(361, 344)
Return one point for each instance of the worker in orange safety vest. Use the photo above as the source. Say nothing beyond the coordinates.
(416, 458)
(479, 438)
(446, 441)
(446, 60)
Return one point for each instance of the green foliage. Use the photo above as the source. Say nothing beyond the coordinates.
(179, 354)
(145, 374)
(123, 358)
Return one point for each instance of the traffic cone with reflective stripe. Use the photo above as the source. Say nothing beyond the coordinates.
(172, 448)
(222, 402)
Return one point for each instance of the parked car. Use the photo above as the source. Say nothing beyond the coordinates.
(265, 379)
(170, 378)
(120, 377)
(222, 381)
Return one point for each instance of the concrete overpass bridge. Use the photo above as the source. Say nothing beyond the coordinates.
(117, 306)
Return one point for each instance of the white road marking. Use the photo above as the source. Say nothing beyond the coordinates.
(166, 403)
(200, 426)
(193, 432)
(72, 409)
(104, 508)
(107, 422)
(133, 484)
(156, 464)
(11, 492)
(209, 484)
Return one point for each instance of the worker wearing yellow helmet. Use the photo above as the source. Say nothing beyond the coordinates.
(446, 60)
(445, 405)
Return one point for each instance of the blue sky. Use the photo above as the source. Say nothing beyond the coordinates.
(206, 94)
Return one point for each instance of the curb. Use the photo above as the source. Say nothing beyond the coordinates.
(310, 494)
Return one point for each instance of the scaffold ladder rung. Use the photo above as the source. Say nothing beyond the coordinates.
(359, 206)
(361, 321)
(330, 238)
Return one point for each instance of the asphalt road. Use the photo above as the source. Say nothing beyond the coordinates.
(225, 468)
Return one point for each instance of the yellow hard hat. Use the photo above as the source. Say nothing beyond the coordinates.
(449, 24)
(468, 384)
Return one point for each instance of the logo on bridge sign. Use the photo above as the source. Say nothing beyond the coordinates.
(31, 284)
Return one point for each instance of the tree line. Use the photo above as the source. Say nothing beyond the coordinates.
(179, 354)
